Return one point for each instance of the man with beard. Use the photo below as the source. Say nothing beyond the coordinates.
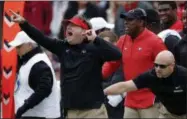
(181, 48)
(139, 48)
(81, 55)
(168, 14)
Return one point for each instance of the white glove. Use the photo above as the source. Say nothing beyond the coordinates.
(114, 100)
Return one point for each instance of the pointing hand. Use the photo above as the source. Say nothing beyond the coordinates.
(16, 17)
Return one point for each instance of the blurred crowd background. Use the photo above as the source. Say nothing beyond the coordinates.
(48, 15)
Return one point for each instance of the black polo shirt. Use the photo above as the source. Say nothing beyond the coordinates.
(171, 91)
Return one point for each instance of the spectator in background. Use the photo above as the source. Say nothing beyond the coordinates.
(59, 9)
(169, 37)
(181, 47)
(100, 25)
(168, 15)
(39, 13)
(103, 6)
(84, 8)
(109, 36)
(184, 30)
(180, 8)
(36, 85)
(153, 21)
(139, 48)
(155, 5)
(116, 109)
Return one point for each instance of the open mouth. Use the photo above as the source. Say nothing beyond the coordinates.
(126, 29)
(69, 33)
(164, 18)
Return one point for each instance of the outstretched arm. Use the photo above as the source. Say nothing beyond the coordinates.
(142, 81)
(120, 88)
(53, 45)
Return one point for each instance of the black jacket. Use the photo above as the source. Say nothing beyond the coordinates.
(170, 42)
(81, 65)
(40, 80)
(181, 52)
(171, 91)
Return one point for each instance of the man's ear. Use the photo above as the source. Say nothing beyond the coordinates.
(141, 22)
(173, 64)
(83, 33)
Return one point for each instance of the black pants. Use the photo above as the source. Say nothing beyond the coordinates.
(115, 112)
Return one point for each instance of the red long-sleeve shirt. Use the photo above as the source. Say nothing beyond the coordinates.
(137, 57)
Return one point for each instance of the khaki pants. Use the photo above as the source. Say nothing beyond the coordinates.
(92, 113)
(151, 112)
(165, 114)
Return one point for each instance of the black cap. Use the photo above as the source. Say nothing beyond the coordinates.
(152, 16)
(137, 13)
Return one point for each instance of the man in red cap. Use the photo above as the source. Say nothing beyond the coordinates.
(81, 55)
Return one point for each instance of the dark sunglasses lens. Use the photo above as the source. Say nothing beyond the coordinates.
(163, 66)
(160, 65)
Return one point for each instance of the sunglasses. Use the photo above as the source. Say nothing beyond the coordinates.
(162, 66)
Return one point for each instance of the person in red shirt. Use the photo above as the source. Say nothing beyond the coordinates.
(180, 5)
(139, 48)
(39, 13)
(168, 15)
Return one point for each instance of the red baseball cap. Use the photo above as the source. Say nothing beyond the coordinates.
(77, 21)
